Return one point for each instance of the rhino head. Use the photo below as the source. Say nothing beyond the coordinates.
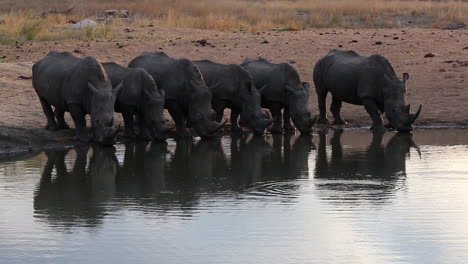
(395, 107)
(200, 113)
(102, 99)
(299, 107)
(153, 109)
(251, 111)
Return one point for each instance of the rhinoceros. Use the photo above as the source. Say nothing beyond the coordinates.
(139, 97)
(79, 86)
(187, 97)
(370, 81)
(232, 87)
(281, 88)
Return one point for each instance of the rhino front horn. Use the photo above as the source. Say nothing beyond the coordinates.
(415, 116)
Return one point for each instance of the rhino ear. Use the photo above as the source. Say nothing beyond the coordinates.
(92, 88)
(263, 88)
(289, 89)
(116, 90)
(405, 77)
(214, 86)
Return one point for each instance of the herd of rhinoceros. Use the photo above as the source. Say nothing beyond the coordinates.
(191, 90)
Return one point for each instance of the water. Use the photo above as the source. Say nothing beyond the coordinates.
(335, 198)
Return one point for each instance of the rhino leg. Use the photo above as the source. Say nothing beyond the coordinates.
(322, 104)
(234, 125)
(144, 130)
(79, 119)
(287, 121)
(335, 109)
(219, 107)
(373, 110)
(51, 124)
(60, 117)
(275, 109)
(129, 123)
(178, 116)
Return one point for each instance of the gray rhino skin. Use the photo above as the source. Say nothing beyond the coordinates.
(281, 88)
(79, 86)
(187, 98)
(139, 97)
(370, 81)
(232, 87)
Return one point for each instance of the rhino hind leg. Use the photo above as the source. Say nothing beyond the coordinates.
(288, 127)
(47, 108)
(275, 110)
(179, 118)
(60, 117)
(335, 109)
(322, 105)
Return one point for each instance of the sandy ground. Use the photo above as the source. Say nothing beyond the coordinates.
(438, 82)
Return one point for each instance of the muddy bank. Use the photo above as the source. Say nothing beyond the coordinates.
(436, 81)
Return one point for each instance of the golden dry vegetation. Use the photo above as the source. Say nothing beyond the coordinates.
(20, 20)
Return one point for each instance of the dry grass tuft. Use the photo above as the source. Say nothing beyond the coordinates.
(251, 15)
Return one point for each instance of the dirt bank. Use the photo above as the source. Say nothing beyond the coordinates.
(437, 82)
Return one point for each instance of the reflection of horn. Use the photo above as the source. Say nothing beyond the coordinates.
(415, 116)
(416, 147)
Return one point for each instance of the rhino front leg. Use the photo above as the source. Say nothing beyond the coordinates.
(373, 110)
(335, 109)
(287, 121)
(79, 119)
(179, 118)
(129, 123)
(234, 124)
(144, 130)
(60, 117)
(218, 107)
(275, 109)
(51, 124)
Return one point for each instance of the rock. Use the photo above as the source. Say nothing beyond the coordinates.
(353, 41)
(264, 42)
(454, 26)
(85, 23)
(77, 51)
(340, 46)
(292, 61)
(429, 55)
(465, 48)
(378, 43)
(395, 38)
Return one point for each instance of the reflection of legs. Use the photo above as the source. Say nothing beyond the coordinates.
(322, 97)
(287, 121)
(275, 109)
(335, 109)
(373, 110)
(59, 116)
(335, 142)
(179, 118)
(51, 124)
(80, 122)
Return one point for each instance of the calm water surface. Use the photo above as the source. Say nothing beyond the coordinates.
(341, 197)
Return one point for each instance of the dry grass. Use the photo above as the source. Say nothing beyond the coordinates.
(251, 15)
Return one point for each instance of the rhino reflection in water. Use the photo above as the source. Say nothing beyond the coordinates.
(76, 197)
(369, 174)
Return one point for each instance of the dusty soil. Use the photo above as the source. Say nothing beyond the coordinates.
(437, 82)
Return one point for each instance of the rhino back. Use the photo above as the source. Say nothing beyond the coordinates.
(52, 77)
(348, 76)
(168, 73)
(226, 77)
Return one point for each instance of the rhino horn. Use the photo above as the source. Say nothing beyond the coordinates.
(415, 116)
